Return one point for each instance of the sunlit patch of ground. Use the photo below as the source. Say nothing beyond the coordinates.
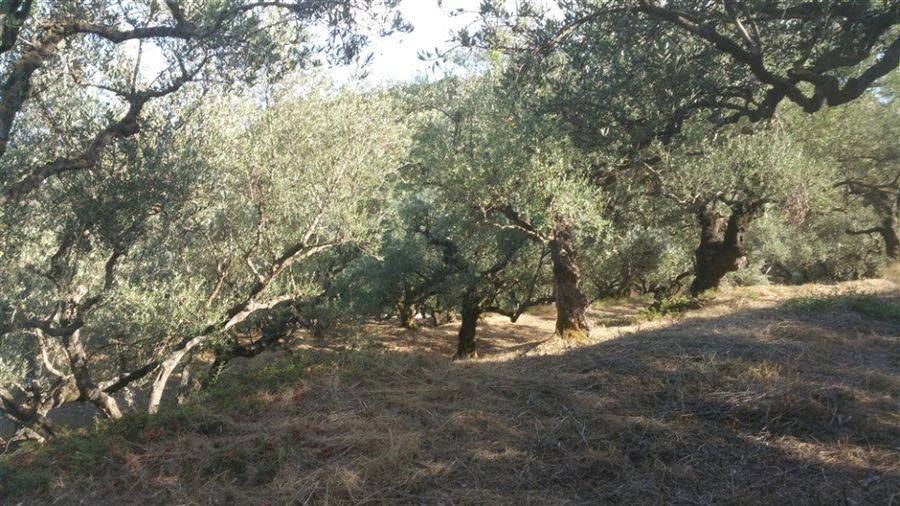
(753, 398)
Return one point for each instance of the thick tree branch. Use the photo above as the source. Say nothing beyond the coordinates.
(827, 88)
(868, 231)
(14, 14)
(237, 313)
(17, 85)
(124, 127)
(516, 221)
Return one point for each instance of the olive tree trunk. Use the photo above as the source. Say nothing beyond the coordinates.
(722, 244)
(407, 314)
(885, 201)
(165, 371)
(470, 312)
(78, 359)
(31, 422)
(888, 231)
(891, 242)
(571, 303)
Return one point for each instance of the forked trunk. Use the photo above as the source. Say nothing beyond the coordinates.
(165, 370)
(81, 371)
(571, 304)
(470, 313)
(722, 242)
(886, 204)
(31, 422)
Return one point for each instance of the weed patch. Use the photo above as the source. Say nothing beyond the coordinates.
(669, 306)
(870, 305)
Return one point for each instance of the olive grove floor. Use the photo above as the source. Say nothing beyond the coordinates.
(751, 398)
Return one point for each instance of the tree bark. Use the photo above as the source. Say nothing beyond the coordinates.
(722, 244)
(186, 381)
(407, 315)
(888, 234)
(31, 421)
(891, 242)
(470, 313)
(571, 303)
(888, 230)
(86, 385)
(165, 371)
(16, 87)
(884, 200)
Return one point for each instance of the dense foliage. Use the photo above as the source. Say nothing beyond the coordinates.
(210, 203)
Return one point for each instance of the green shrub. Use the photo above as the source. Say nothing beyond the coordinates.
(674, 305)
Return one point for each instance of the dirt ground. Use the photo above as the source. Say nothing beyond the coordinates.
(499, 339)
(748, 399)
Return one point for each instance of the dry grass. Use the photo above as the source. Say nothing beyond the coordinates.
(743, 401)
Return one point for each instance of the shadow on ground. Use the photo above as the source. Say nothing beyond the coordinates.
(736, 403)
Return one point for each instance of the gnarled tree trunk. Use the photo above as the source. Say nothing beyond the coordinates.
(30, 421)
(571, 303)
(884, 200)
(81, 370)
(470, 312)
(722, 244)
(407, 314)
(165, 371)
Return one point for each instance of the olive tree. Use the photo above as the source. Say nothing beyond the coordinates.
(620, 76)
(134, 52)
(736, 59)
(860, 138)
(726, 181)
(516, 171)
(444, 255)
(265, 190)
(65, 264)
(480, 273)
(292, 179)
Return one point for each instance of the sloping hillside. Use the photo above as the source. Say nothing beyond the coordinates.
(765, 394)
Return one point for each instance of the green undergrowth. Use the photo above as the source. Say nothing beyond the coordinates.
(672, 306)
(86, 452)
(667, 307)
(91, 451)
(865, 304)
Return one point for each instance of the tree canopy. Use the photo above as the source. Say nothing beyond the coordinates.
(179, 187)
